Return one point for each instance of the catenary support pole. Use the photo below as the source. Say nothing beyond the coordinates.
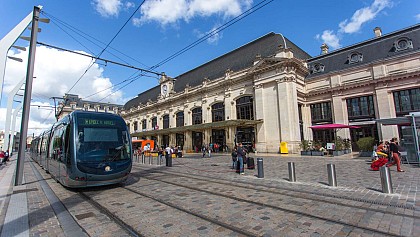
(27, 98)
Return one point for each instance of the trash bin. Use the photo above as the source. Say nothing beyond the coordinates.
(283, 148)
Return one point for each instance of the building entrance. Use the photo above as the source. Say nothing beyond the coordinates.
(246, 135)
(180, 140)
(165, 141)
(218, 139)
(197, 141)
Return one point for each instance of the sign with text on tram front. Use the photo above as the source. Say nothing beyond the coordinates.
(93, 122)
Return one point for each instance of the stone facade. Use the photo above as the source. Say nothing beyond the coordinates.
(284, 86)
(73, 102)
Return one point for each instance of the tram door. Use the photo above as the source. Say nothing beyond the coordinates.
(197, 141)
(218, 137)
(246, 135)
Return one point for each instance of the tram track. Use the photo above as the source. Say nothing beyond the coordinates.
(190, 186)
(294, 193)
(56, 200)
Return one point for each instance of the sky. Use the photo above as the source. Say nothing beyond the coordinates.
(146, 34)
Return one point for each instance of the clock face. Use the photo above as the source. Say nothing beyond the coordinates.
(164, 89)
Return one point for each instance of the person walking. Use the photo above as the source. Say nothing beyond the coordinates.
(393, 147)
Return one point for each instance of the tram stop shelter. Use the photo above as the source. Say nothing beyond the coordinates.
(410, 128)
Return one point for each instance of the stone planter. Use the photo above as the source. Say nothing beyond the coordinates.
(305, 153)
(317, 153)
(338, 153)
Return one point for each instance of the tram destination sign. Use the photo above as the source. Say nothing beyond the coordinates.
(98, 122)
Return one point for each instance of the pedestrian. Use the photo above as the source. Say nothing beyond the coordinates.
(209, 151)
(241, 151)
(203, 149)
(2, 157)
(168, 155)
(160, 154)
(234, 158)
(393, 147)
(6, 156)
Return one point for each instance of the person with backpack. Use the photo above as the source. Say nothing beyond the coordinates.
(241, 156)
(234, 158)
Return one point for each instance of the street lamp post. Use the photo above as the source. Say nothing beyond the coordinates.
(27, 97)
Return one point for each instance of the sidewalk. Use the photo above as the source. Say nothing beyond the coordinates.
(32, 209)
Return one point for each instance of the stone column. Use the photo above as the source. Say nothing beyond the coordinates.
(260, 132)
(385, 108)
(288, 113)
(339, 107)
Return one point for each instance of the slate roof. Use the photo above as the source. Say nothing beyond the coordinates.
(236, 60)
(372, 50)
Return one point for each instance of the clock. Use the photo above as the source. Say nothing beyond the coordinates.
(164, 89)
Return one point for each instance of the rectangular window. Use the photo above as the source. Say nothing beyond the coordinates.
(407, 101)
(321, 112)
(361, 108)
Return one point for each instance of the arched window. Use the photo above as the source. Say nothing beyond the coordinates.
(218, 112)
(180, 119)
(135, 124)
(245, 108)
(197, 116)
(154, 122)
(143, 124)
(166, 121)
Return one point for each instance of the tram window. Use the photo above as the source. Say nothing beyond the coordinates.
(100, 134)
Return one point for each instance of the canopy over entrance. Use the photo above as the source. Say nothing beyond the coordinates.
(333, 126)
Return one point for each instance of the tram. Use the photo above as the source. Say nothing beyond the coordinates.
(85, 149)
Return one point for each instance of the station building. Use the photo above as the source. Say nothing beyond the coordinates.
(270, 91)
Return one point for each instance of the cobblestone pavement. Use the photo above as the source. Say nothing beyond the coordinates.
(204, 197)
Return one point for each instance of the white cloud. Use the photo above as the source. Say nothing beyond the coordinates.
(108, 8)
(172, 11)
(213, 39)
(418, 17)
(331, 39)
(55, 73)
(363, 15)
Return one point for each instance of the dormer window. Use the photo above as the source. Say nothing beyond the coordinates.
(317, 68)
(403, 44)
(355, 58)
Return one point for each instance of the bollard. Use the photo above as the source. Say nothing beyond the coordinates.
(170, 161)
(260, 168)
(143, 159)
(332, 177)
(150, 160)
(386, 181)
(292, 173)
(159, 161)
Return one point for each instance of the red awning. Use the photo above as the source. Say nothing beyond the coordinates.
(333, 126)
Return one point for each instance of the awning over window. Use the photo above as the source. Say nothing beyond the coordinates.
(199, 127)
(332, 126)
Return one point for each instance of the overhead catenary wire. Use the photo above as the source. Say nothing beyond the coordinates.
(183, 50)
(103, 50)
(208, 35)
(88, 37)
(102, 59)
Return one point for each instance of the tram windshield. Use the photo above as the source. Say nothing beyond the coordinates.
(101, 140)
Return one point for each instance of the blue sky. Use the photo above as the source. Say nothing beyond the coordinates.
(162, 28)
